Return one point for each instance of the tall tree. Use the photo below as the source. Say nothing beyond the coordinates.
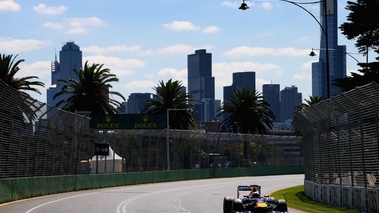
(170, 97)
(309, 102)
(363, 25)
(91, 92)
(248, 110)
(9, 67)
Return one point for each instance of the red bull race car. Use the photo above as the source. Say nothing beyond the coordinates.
(253, 202)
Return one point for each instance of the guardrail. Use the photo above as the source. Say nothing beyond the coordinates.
(12, 189)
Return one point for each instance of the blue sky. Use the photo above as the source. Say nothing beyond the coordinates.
(144, 42)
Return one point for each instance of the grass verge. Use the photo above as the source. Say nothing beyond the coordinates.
(296, 199)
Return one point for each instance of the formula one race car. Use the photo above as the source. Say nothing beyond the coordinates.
(254, 202)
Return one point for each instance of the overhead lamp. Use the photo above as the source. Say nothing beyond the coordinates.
(312, 53)
(243, 6)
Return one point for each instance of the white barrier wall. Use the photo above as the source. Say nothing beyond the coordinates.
(358, 198)
(372, 200)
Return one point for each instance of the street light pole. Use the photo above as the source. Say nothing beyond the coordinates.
(168, 135)
(327, 49)
(244, 6)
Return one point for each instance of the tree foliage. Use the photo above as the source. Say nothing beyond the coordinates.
(363, 25)
(247, 110)
(309, 102)
(171, 97)
(91, 92)
(9, 67)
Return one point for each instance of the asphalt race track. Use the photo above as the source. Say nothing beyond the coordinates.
(197, 196)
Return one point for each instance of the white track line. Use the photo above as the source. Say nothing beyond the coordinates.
(54, 201)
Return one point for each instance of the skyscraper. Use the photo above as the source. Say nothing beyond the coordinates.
(337, 53)
(271, 94)
(201, 84)
(136, 102)
(240, 80)
(289, 99)
(70, 57)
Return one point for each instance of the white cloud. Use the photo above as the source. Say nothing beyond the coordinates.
(172, 73)
(53, 25)
(118, 66)
(308, 65)
(79, 25)
(181, 26)
(302, 76)
(96, 50)
(41, 8)
(79, 22)
(259, 51)
(77, 30)
(266, 5)
(142, 85)
(40, 67)
(12, 45)
(230, 4)
(9, 5)
(211, 29)
(175, 49)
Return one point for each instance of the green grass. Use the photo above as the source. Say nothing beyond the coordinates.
(296, 199)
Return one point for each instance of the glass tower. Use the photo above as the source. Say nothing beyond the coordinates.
(70, 57)
(337, 53)
(201, 84)
(289, 99)
(271, 94)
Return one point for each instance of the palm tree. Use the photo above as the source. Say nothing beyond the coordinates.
(9, 67)
(8, 70)
(171, 98)
(91, 92)
(309, 102)
(247, 110)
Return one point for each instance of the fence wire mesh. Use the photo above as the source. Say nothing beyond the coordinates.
(41, 140)
(340, 138)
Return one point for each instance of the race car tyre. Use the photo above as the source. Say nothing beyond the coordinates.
(238, 205)
(282, 206)
(228, 204)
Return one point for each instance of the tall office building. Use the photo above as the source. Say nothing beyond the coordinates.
(70, 57)
(271, 94)
(136, 102)
(201, 84)
(240, 80)
(289, 99)
(337, 53)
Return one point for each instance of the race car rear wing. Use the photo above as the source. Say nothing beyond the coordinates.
(248, 188)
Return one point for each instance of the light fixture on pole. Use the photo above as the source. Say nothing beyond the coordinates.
(324, 29)
(243, 6)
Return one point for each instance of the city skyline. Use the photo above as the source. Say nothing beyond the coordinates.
(144, 45)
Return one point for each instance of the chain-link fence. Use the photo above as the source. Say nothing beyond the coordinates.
(341, 138)
(41, 140)
(341, 149)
